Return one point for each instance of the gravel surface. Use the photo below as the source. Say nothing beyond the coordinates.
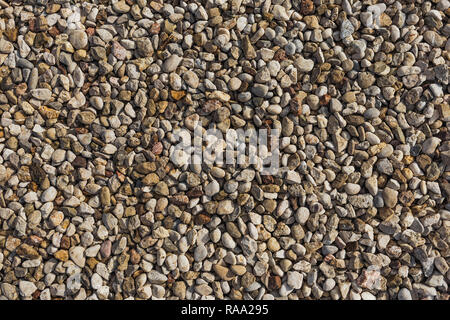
(96, 204)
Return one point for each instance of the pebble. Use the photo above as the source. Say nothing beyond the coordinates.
(171, 63)
(430, 145)
(225, 207)
(294, 279)
(191, 79)
(27, 288)
(212, 188)
(77, 256)
(304, 65)
(347, 29)
(390, 197)
(78, 39)
(404, 294)
(99, 202)
(49, 195)
(41, 94)
(279, 13)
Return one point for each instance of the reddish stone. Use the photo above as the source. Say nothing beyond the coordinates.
(295, 106)
(170, 279)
